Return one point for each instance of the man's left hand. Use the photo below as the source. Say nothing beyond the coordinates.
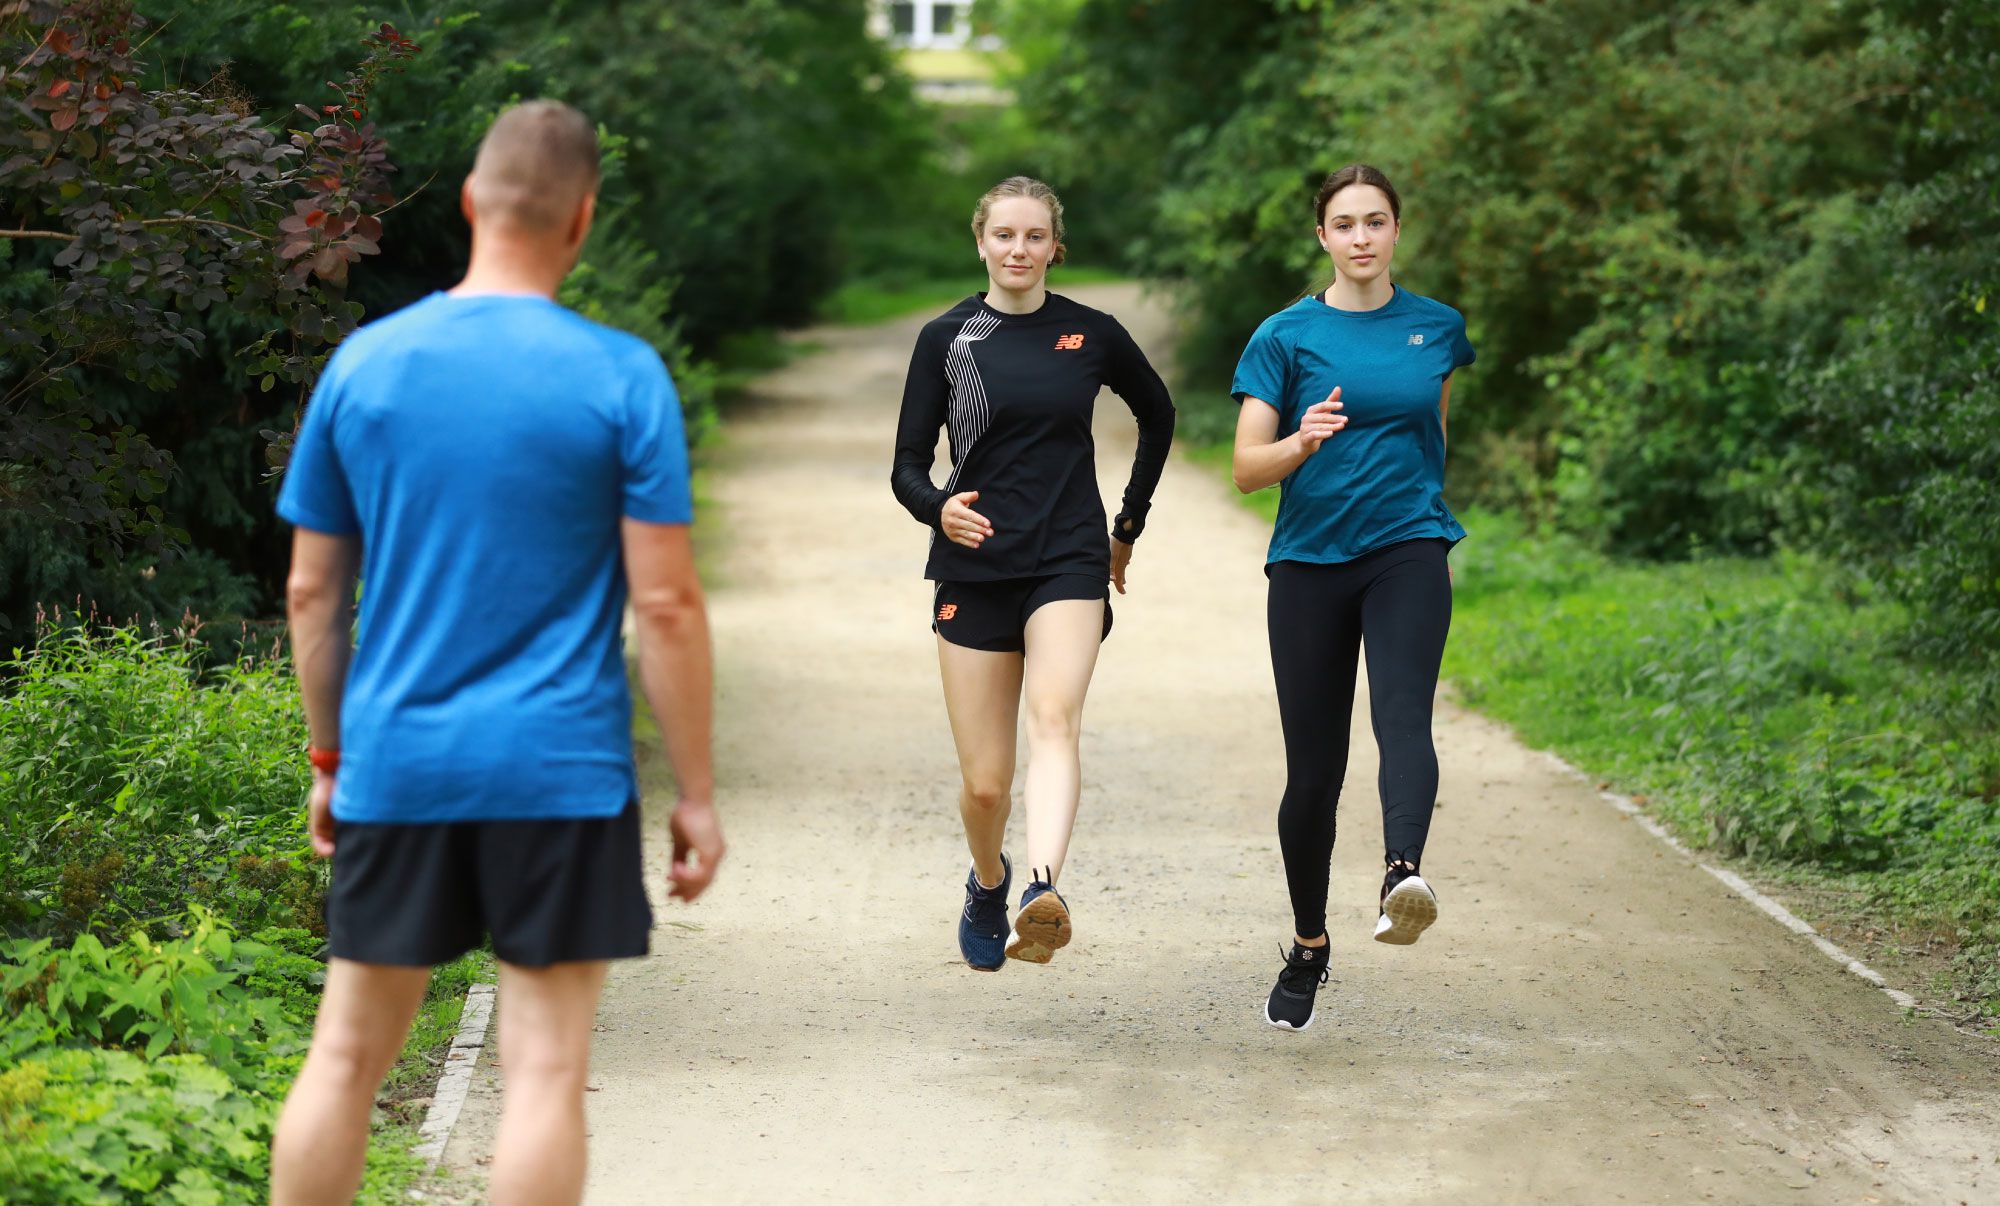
(319, 814)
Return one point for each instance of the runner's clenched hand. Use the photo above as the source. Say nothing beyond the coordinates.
(1320, 421)
(961, 524)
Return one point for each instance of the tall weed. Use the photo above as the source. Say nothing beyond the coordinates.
(137, 775)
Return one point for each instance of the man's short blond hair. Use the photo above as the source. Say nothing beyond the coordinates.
(538, 161)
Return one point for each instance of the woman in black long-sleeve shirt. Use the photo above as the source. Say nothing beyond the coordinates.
(1019, 550)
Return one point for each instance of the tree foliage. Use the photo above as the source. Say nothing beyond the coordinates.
(1724, 261)
(1899, 430)
(160, 203)
(755, 149)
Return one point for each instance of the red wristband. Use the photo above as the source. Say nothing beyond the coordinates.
(327, 761)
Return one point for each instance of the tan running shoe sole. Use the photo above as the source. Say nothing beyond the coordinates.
(1410, 909)
(1040, 930)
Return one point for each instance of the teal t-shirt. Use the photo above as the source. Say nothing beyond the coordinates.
(485, 449)
(1379, 480)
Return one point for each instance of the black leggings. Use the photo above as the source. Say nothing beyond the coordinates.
(1399, 598)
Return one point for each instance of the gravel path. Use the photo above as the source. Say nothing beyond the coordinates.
(1593, 1019)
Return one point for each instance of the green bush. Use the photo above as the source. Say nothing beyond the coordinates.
(1895, 466)
(150, 1070)
(108, 1126)
(194, 995)
(136, 776)
(153, 1070)
(764, 150)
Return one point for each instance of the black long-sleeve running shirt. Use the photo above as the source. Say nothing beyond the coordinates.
(1015, 393)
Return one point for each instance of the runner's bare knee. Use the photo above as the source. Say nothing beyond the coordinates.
(987, 793)
(1054, 719)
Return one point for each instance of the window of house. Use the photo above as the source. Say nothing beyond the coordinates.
(903, 20)
(944, 19)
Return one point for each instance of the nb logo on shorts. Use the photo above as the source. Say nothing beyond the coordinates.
(1415, 340)
(947, 611)
(1068, 343)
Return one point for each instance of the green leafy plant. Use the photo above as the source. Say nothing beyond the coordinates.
(136, 775)
(186, 996)
(107, 1126)
(152, 1070)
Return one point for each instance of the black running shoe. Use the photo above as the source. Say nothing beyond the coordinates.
(1291, 1003)
(1042, 926)
(1409, 907)
(982, 927)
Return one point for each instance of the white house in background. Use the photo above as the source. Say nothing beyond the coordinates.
(950, 60)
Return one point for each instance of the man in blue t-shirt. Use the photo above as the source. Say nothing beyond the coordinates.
(500, 474)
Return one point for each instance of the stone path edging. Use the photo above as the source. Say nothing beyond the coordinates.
(1741, 887)
(456, 1081)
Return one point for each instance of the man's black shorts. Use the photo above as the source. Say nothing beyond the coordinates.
(994, 615)
(552, 891)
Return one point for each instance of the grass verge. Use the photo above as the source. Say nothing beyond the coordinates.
(1763, 716)
(405, 1096)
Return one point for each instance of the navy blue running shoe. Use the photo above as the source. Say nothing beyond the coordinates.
(982, 927)
(1042, 926)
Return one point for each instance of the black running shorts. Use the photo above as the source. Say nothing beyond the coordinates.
(994, 615)
(552, 891)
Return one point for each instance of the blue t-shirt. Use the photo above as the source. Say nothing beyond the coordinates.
(484, 448)
(1380, 479)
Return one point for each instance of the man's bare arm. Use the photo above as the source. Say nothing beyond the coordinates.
(676, 671)
(319, 607)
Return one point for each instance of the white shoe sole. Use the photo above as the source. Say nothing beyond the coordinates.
(1410, 909)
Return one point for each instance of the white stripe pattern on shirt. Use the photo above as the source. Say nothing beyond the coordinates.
(967, 417)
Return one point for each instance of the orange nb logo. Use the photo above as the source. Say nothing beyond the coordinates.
(1068, 343)
(947, 611)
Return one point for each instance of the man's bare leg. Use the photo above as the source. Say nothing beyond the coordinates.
(322, 1139)
(546, 1015)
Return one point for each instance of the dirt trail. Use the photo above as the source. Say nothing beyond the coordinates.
(1593, 1019)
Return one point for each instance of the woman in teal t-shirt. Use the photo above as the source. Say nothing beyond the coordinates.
(1343, 399)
